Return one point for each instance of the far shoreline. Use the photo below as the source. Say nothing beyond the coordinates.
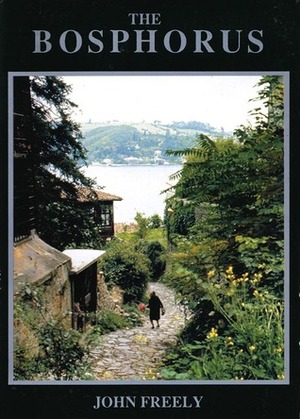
(132, 165)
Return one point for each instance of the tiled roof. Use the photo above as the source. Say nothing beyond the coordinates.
(85, 194)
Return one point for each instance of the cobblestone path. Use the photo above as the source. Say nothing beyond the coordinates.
(135, 354)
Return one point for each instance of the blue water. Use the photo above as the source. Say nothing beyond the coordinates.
(139, 186)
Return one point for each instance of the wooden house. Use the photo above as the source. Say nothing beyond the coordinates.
(101, 207)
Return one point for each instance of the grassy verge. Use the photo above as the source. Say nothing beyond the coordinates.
(152, 234)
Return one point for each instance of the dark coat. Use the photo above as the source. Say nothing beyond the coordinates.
(154, 305)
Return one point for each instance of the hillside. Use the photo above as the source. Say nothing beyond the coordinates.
(140, 143)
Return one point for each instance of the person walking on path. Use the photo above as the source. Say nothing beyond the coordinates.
(155, 305)
(126, 354)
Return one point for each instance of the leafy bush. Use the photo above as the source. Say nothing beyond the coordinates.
(124, 266)
(64, 353)
(179, 218)
(45, 347)
(142, 223)
(110, 321)
(154, 221)
(106, 322)
(245, 343)
(26, 366)
(227, 264)
(133, 316)
(155, 252)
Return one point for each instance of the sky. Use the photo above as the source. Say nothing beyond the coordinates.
(219, 100)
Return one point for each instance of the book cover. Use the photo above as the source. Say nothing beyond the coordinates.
(197, 108)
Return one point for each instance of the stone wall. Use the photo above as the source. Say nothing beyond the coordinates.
(36, 304)
(125, 228)
(41, 276)
(56, 296)
(105, 299)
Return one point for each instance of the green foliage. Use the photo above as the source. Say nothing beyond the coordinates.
(227, 264)
(44, 348)
(179, 217)
(155, 252)
(58, 156)
(263, 252)
(248, 344)
(27, 367)
(142, 223)
(134, 317)
(148, 228)
(108, 321)
(149, 241)
(154, 221)
(64, 354)
(119, 141)
(205, 147)
(124, 266)
(111, 142)
(73, 226)
(243, 176)
(157, 234)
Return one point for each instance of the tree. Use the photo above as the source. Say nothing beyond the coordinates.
(228, 266)
(142, 225)
(58, 157)
(240, 178)
(155, 252)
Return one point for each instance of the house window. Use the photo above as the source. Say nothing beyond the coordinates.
(105, 215)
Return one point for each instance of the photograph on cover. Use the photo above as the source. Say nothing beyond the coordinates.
(149, 242)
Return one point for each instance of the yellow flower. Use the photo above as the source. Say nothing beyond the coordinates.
(151, 375)
(229, 341)
(212, 334)
(229, 270)
(107, 375)
(210, 274)
(229, 273)
(256, 293)
(140, 339)
(252, 348)
(256, 279)
(280, 376)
